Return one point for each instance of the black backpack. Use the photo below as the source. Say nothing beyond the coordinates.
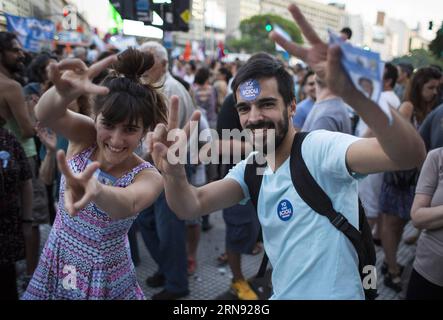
(314, 196)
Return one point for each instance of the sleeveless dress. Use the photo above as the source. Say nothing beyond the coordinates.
(87, 256)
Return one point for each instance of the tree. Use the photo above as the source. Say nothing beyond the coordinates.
(436, 45)
(255, 30)
(419, 58)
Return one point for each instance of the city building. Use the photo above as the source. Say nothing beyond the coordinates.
(321, 16)
(236, 11)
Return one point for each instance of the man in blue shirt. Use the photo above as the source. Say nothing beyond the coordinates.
(311, 259)
(305, 106)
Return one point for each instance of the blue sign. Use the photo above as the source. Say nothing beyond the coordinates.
(33, 34)
(285, 210)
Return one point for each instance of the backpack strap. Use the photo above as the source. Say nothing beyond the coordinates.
(253, 181)
(315, 197)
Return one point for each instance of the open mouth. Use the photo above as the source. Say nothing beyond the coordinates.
(114, 149)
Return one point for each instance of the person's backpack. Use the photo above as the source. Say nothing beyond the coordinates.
(314, 196)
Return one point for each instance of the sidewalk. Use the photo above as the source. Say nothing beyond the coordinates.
(211, 281)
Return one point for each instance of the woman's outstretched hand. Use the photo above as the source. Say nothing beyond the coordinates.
(80, 188)
(72, 78)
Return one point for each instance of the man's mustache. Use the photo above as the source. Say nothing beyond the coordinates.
(260, 125)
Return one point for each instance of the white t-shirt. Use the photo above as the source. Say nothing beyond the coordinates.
(311, 259)
(388, 99)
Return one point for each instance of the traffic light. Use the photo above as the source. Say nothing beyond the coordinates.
(431, 25)
(268, 26)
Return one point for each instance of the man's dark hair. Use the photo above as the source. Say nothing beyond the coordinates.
(264, 66)
(391, 73)
(201, 76)
(305, 78)
(6, 40)
(347, 31)
(407, 68)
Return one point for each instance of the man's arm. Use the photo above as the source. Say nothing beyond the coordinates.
(185, 200)
(396, 147)
(17, 105)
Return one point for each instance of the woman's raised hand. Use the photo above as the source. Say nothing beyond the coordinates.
(72, 78)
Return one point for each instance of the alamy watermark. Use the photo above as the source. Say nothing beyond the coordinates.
(69, 281)
(370, 280)
(207, 147)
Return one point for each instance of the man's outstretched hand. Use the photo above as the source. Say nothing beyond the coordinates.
(324, 61)
(164, 136)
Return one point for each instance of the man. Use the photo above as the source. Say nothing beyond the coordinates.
(346, 33)
(242, 226)
(12, 104)
(163, 233)
(329, 111)
(310, 258)
(405, 71)
(305, 106)
(388, 98)
(14, 110)
(159, 75)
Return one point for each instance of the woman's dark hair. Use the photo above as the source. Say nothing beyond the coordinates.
(415, 88)
(391, 73)
(264, 66)
(129, 99)
(37, 69)
(201, 76)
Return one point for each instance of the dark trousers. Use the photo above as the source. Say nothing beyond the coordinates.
(8, 282)
(165, 237)
(421, 289)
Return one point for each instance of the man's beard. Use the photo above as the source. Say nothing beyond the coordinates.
(280, 131)
(16, 66)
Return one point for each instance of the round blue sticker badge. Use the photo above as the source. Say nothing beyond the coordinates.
(285, 210)
(250, 90)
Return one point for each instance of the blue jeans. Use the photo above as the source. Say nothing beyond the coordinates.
(165, 237)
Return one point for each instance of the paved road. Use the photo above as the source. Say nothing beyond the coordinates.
(211, 281)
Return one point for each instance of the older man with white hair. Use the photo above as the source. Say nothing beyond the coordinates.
(160, 75)
(163, 233)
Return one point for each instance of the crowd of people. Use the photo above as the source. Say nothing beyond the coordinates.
(84, 148)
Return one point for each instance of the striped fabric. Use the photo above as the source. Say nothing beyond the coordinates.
(87, 256)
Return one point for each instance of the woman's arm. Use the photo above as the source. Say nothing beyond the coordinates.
(118, 203)
(71, 79)
(121, 203)
(423, 215)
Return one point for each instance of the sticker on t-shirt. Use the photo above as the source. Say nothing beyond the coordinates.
(285, 210)
(250, 90)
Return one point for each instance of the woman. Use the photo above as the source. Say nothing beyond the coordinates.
(426, 280)
(398, 188)
(104, 184)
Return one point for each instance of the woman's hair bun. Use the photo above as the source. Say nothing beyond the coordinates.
(132, 63)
